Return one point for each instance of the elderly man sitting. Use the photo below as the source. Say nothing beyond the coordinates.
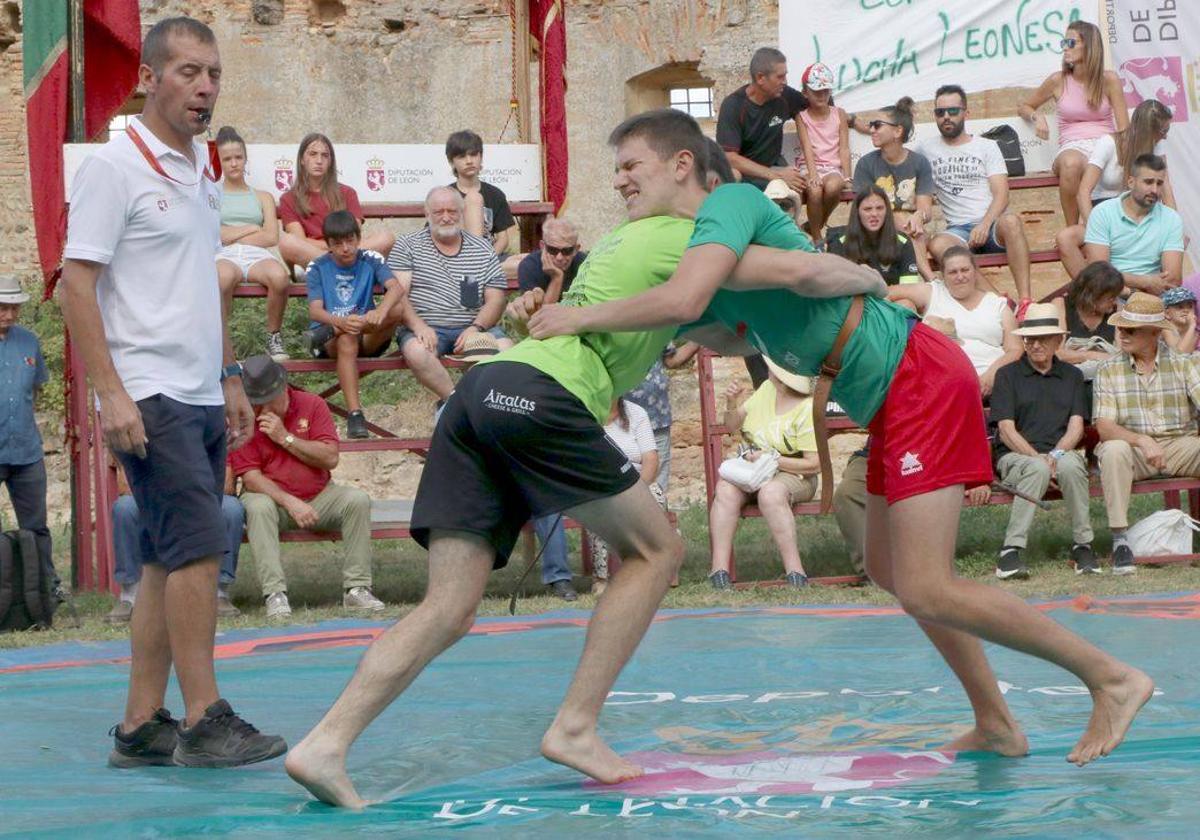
(456, 291)
(1040, 405)
(285, 479)
(1145, 411)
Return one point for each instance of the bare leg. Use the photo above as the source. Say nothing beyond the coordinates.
(151, 647)
(346, 352)
(634, 525)
(814, 200)
(1069, 167)
(832, 187)
(727, 506)
(459, 565)
(273, 276)
(228, 276)
(995, 728)
(1070, 250)
(939, 244)
(776, 507)
(1010, 233)
(297, 250)
(427, 369)
(191, 619)
(379, 240)
(923, 530)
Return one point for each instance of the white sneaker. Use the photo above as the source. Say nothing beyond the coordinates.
(278, 606)
(362, 598)
(275, 347)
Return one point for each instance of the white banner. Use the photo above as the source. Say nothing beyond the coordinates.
(1155, 47)
(881, 50)
(379, 173)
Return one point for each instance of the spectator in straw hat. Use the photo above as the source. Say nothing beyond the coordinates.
(1147, 400)
(22, 375)
(778, 416)
(785, 198)
(1040, 405)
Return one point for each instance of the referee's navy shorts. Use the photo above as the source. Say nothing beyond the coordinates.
(513, 443)
(178, 486)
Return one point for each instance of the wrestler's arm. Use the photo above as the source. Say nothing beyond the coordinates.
(702, 270)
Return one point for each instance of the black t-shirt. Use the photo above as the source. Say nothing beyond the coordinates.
(756, 131)
(1040, 405)
(531, 276)
(905, 267)
(497, 215)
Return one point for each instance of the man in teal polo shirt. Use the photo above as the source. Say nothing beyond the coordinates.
(1137, 233)
(916, 392)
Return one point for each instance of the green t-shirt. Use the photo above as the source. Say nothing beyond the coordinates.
(596, 367)
(797, 332)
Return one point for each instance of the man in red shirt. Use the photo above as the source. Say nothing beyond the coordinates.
(285, 479)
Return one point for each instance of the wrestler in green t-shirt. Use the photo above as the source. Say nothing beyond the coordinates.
(600, 366)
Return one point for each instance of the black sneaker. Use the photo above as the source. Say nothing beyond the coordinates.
(720, 580)
(315, 339)
(563, 589)
(222, 739)
(1123, 560)
(150, 745)
(356, 425)
(1084, 560)
(797, 580)
(1010, 565)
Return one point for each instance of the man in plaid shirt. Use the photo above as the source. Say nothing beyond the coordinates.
(1147, 399)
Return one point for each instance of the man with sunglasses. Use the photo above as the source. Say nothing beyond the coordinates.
(552, 267)
(971, 181)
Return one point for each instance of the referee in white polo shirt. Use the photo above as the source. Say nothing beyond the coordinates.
(140, 297)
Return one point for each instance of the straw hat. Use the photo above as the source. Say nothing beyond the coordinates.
(11, 291)
(945, 326)
(794, 381)
(1141, 310)
(1040, 319)
(778, 190)
(477, 347)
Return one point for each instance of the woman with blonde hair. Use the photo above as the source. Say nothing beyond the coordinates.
(314, 195)
(1091, 104)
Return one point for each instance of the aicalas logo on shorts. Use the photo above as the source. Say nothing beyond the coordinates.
(508, 402)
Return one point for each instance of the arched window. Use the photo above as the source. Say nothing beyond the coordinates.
(676, 85)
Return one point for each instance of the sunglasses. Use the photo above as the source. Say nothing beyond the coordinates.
(786, 205)
(1068, 43)
(560, 252)
(875, 125)
(947, 112)
(1129, 330)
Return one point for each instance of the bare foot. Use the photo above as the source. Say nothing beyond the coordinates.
(1007, 741)
(323, 773)
(588, 754)
(1114, 707)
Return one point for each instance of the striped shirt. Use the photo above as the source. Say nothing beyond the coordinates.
(447, 291)
(1161, 405)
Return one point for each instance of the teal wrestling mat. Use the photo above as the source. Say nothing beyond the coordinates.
(806, 721)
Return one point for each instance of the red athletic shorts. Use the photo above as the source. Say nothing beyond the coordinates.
(930, 432)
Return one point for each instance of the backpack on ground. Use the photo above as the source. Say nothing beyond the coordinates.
(26, 595)
(1005, 136)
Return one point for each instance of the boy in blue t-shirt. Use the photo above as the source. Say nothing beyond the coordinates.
(341, 303)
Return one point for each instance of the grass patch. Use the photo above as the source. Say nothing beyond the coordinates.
(314, 573)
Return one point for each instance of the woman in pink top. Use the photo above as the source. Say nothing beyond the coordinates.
(825, 143)
(1091, 103)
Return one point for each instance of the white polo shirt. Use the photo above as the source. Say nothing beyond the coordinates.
(157, 241)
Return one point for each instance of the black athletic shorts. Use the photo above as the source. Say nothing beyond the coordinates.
(512, 443)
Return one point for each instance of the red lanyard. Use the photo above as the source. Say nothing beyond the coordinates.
(157, 167)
